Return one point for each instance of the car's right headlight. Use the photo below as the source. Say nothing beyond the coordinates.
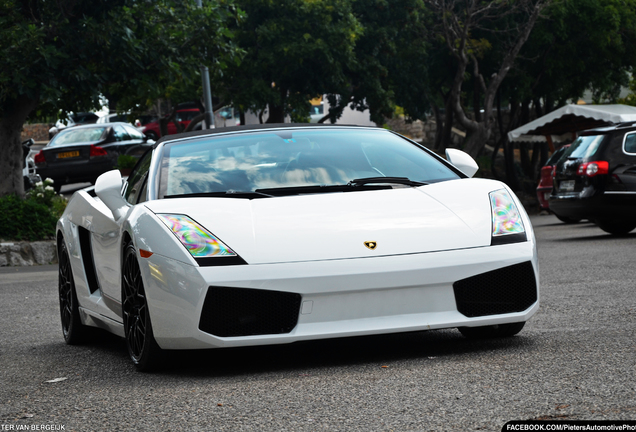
(507, 226)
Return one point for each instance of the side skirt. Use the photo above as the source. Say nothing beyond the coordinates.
(92, 319)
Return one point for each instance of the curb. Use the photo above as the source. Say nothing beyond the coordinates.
(21, 254)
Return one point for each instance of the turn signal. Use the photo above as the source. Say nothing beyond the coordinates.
(144, 253)
(591, 169)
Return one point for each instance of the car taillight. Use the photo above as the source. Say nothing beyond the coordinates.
(97, 151)
(546, 174)
(39, 158)
(591, 169)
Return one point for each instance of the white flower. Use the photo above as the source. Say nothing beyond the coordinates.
(49, 180)
(38, 184)
(49, 188)
(40, 194)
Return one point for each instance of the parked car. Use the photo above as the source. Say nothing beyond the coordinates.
(596, 179)
(183, 117)
(544, 188)
(73, 120)
(272, 234)
(83, 152)
(138, 121)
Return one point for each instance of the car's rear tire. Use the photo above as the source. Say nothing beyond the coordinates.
(140, 341)
(567, 220)
(616, 227)
(494, 331)
(72, 328)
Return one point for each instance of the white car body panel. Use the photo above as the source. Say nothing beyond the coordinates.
(428, 238)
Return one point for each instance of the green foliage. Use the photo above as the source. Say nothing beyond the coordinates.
(43, 193)
(25, 220)
(32, 218)
(577, 46)
(294, 51)
(126, 161)
(630, 99)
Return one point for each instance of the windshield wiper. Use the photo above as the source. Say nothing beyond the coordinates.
(224, 194)
(385, 180)
(317, 189)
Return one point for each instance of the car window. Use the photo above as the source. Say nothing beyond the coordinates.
(186, 115)
(630, 143)
(77, 136)
(556, 156)
(321, 156)
(120, 133)
(134, 133)
(584, 147)
(136, 179)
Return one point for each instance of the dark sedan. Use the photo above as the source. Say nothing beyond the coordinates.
(82, 153)
(595, 179)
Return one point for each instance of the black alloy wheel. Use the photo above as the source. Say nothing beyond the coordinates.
(494, 331)
(72, 328)
(140, 341)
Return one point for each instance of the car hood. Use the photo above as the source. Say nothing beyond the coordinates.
(438, 217)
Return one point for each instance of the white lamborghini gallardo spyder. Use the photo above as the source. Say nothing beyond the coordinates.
(282, 233)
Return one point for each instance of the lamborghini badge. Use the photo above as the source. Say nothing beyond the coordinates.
(371, 244)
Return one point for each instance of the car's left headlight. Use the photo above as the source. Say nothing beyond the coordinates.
(507, 226)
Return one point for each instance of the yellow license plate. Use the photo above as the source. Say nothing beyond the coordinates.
(67, 154)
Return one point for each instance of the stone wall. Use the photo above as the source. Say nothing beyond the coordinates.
(37, 131)
(423, 132)
(28, 254)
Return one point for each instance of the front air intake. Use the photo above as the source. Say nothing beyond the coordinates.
(506, 290)
(231, 312)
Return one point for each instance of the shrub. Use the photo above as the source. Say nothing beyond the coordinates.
(33, 218)
(126, 162)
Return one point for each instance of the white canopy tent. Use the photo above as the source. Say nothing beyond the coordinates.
(566, 121)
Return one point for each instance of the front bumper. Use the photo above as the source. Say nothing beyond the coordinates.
(338, 298)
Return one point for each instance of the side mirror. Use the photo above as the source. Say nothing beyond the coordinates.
(463, 161)
(108, 189)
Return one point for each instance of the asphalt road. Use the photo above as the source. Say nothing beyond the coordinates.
(574, 360)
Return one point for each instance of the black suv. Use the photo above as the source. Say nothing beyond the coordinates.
(595, 179)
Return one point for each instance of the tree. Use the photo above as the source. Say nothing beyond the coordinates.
(63, 55)
(466, 27)
(295, 50)
(390, 62)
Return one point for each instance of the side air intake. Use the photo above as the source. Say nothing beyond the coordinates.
(506, 290)
(231, 312)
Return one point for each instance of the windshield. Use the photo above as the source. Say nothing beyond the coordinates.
(77, 136)
(274, 159)
(584, 147)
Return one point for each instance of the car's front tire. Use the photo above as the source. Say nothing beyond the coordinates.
(140, 341)
(72, 328)
(616, 227)
(494, 331)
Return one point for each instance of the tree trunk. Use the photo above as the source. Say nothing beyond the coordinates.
(277, 109)
(11, 162)
(476, 139)
(276, 114)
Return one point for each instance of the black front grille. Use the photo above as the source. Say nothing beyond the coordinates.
(506, 290)
(231, 312)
